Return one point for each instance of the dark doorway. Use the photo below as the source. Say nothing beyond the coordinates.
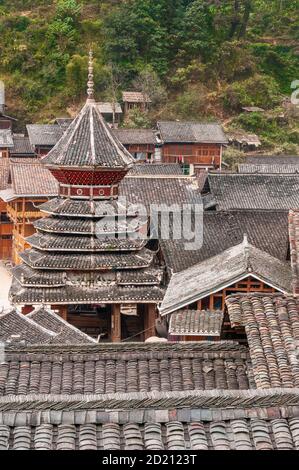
(94, 320)
(132, 326)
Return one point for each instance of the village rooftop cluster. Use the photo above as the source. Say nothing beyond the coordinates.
(121, 342)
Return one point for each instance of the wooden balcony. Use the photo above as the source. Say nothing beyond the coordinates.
(20, 216)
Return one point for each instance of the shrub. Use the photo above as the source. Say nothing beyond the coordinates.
(259, 90)
(233, 157)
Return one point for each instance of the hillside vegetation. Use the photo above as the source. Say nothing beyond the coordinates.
(197, 59)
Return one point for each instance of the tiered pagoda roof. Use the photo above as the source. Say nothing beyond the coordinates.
(88, 249)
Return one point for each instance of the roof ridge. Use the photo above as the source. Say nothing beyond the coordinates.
(145, 400)
(71, 129)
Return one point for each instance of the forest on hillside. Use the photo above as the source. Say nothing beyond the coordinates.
(197, 59)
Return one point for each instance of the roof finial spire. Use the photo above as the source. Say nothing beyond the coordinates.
(90, 83)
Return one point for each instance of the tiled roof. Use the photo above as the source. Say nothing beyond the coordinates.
(64, 123)
(148, 276)
(191, 132)
(167, 191)
(65, 333)
(83, 226)
(271, 168)
(235, 434)
(190, 429)
(247, 191)
(42, 326)
(64, 261)
(102, 369)
(244, 138)
(135, 97)
(44, 134)
(5, 116)
(6, 138)
(47, 242)
(36, 178)
(267, 231)
(86, 295)
(21, 146)
(194, 322)
(272, 160)
(83, 208)
(14, 323)
(272, 328)
(4, 173)
(294, 248)
(107, 108)
(88, 142)
(223, 270)
(155, 170)
(31, 178)
(270, 164)
(29, 277)
(135, 136)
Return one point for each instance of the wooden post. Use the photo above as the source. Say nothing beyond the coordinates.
(116, 324)
(63, 312)
(151, 321)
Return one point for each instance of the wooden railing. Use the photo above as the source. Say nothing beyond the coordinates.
(17, 215)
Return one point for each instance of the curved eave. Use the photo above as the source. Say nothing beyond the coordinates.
(79, 216)
(167, 309)
(46, 262)
(58, 166)
(122, 231)
(36, 242)
(64, 296)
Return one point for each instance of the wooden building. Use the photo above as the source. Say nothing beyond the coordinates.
(5, 223)
(244, 141)
(6, 122)
(135, 100)
(6, 142)
(31, 185)
(21, 147)
(206, 285)
(83, 262)
(141, 143)
(192, 143)
(43, 137)
(111, 112)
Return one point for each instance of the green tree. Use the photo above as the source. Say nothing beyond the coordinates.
(68, 9)
(150, 85)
